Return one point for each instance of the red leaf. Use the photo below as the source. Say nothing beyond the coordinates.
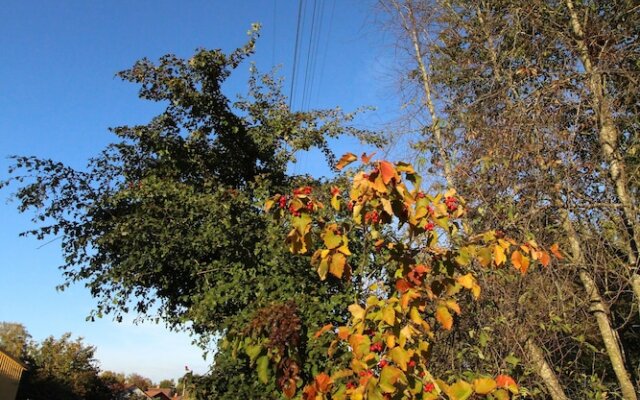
(402, 285)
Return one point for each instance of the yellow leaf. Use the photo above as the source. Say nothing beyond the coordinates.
(484, 385)
(345, 160)
(268, 204)
(400, 357)
(389, 315)
(335, 203)
(498, 255)
(415, 316)
(357, 312)
(444, 317)
(453, 306)
(484, 256)
(460, 390)
(391, 341)
(330, 238)
(386, 205)
(338, 262)
(389, 376)
(466, 281)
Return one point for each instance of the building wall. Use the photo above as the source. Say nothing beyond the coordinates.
(10, 373)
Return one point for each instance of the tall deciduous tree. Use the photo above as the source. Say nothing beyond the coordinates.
(537, 103)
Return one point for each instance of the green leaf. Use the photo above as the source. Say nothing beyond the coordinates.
(263, 369)
(253, 351)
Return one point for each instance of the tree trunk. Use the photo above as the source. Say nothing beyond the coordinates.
(536, 357)
(609, 140)
(598, 308)
(411, 27)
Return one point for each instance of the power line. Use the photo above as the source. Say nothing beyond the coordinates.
(326, 45)
(295, 53)
(305, 86)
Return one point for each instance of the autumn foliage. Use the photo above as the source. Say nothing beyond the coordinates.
(428, 258)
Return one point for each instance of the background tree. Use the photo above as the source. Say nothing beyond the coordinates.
(14, 339)
(535, 102)
(62, 369)
(140, 381)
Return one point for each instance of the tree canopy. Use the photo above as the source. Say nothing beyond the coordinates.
(167, 221)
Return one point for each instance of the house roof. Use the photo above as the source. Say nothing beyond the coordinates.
(159, 393)
(4, 354)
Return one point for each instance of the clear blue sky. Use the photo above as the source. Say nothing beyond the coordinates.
(58, 96)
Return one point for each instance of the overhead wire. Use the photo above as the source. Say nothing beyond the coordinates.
(295, 52)
(326, 45)
(305, 86)
(316, 46)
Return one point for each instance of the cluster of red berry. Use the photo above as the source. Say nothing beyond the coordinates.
(376, 347)
(429, 387)
(372, 216)
(452, 203)
(305, 190)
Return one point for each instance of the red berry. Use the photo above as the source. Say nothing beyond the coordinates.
(420, 195)
(310, 205)
(429, 387)
(383, 363)
(411, 363)
(351, 385)
(429, 226)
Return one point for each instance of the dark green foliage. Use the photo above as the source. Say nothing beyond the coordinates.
(62, 369)
(168, 220)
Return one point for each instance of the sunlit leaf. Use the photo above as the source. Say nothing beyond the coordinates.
(444, 317)
(388, 172)
(484, 385)
(460, 390)
(262, 368)
(346, 160)
(389, 378)
(337, 265)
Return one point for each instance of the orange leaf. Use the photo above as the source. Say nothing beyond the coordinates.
(346, 160)
(402, 285)
(366, 158)
(323, 382)
(444, 317)
(343, 332)
(505, 381)
(323, 330)
(289, 388)
(544, 258)
(388, 172)
(555, 249)
(520, 262)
